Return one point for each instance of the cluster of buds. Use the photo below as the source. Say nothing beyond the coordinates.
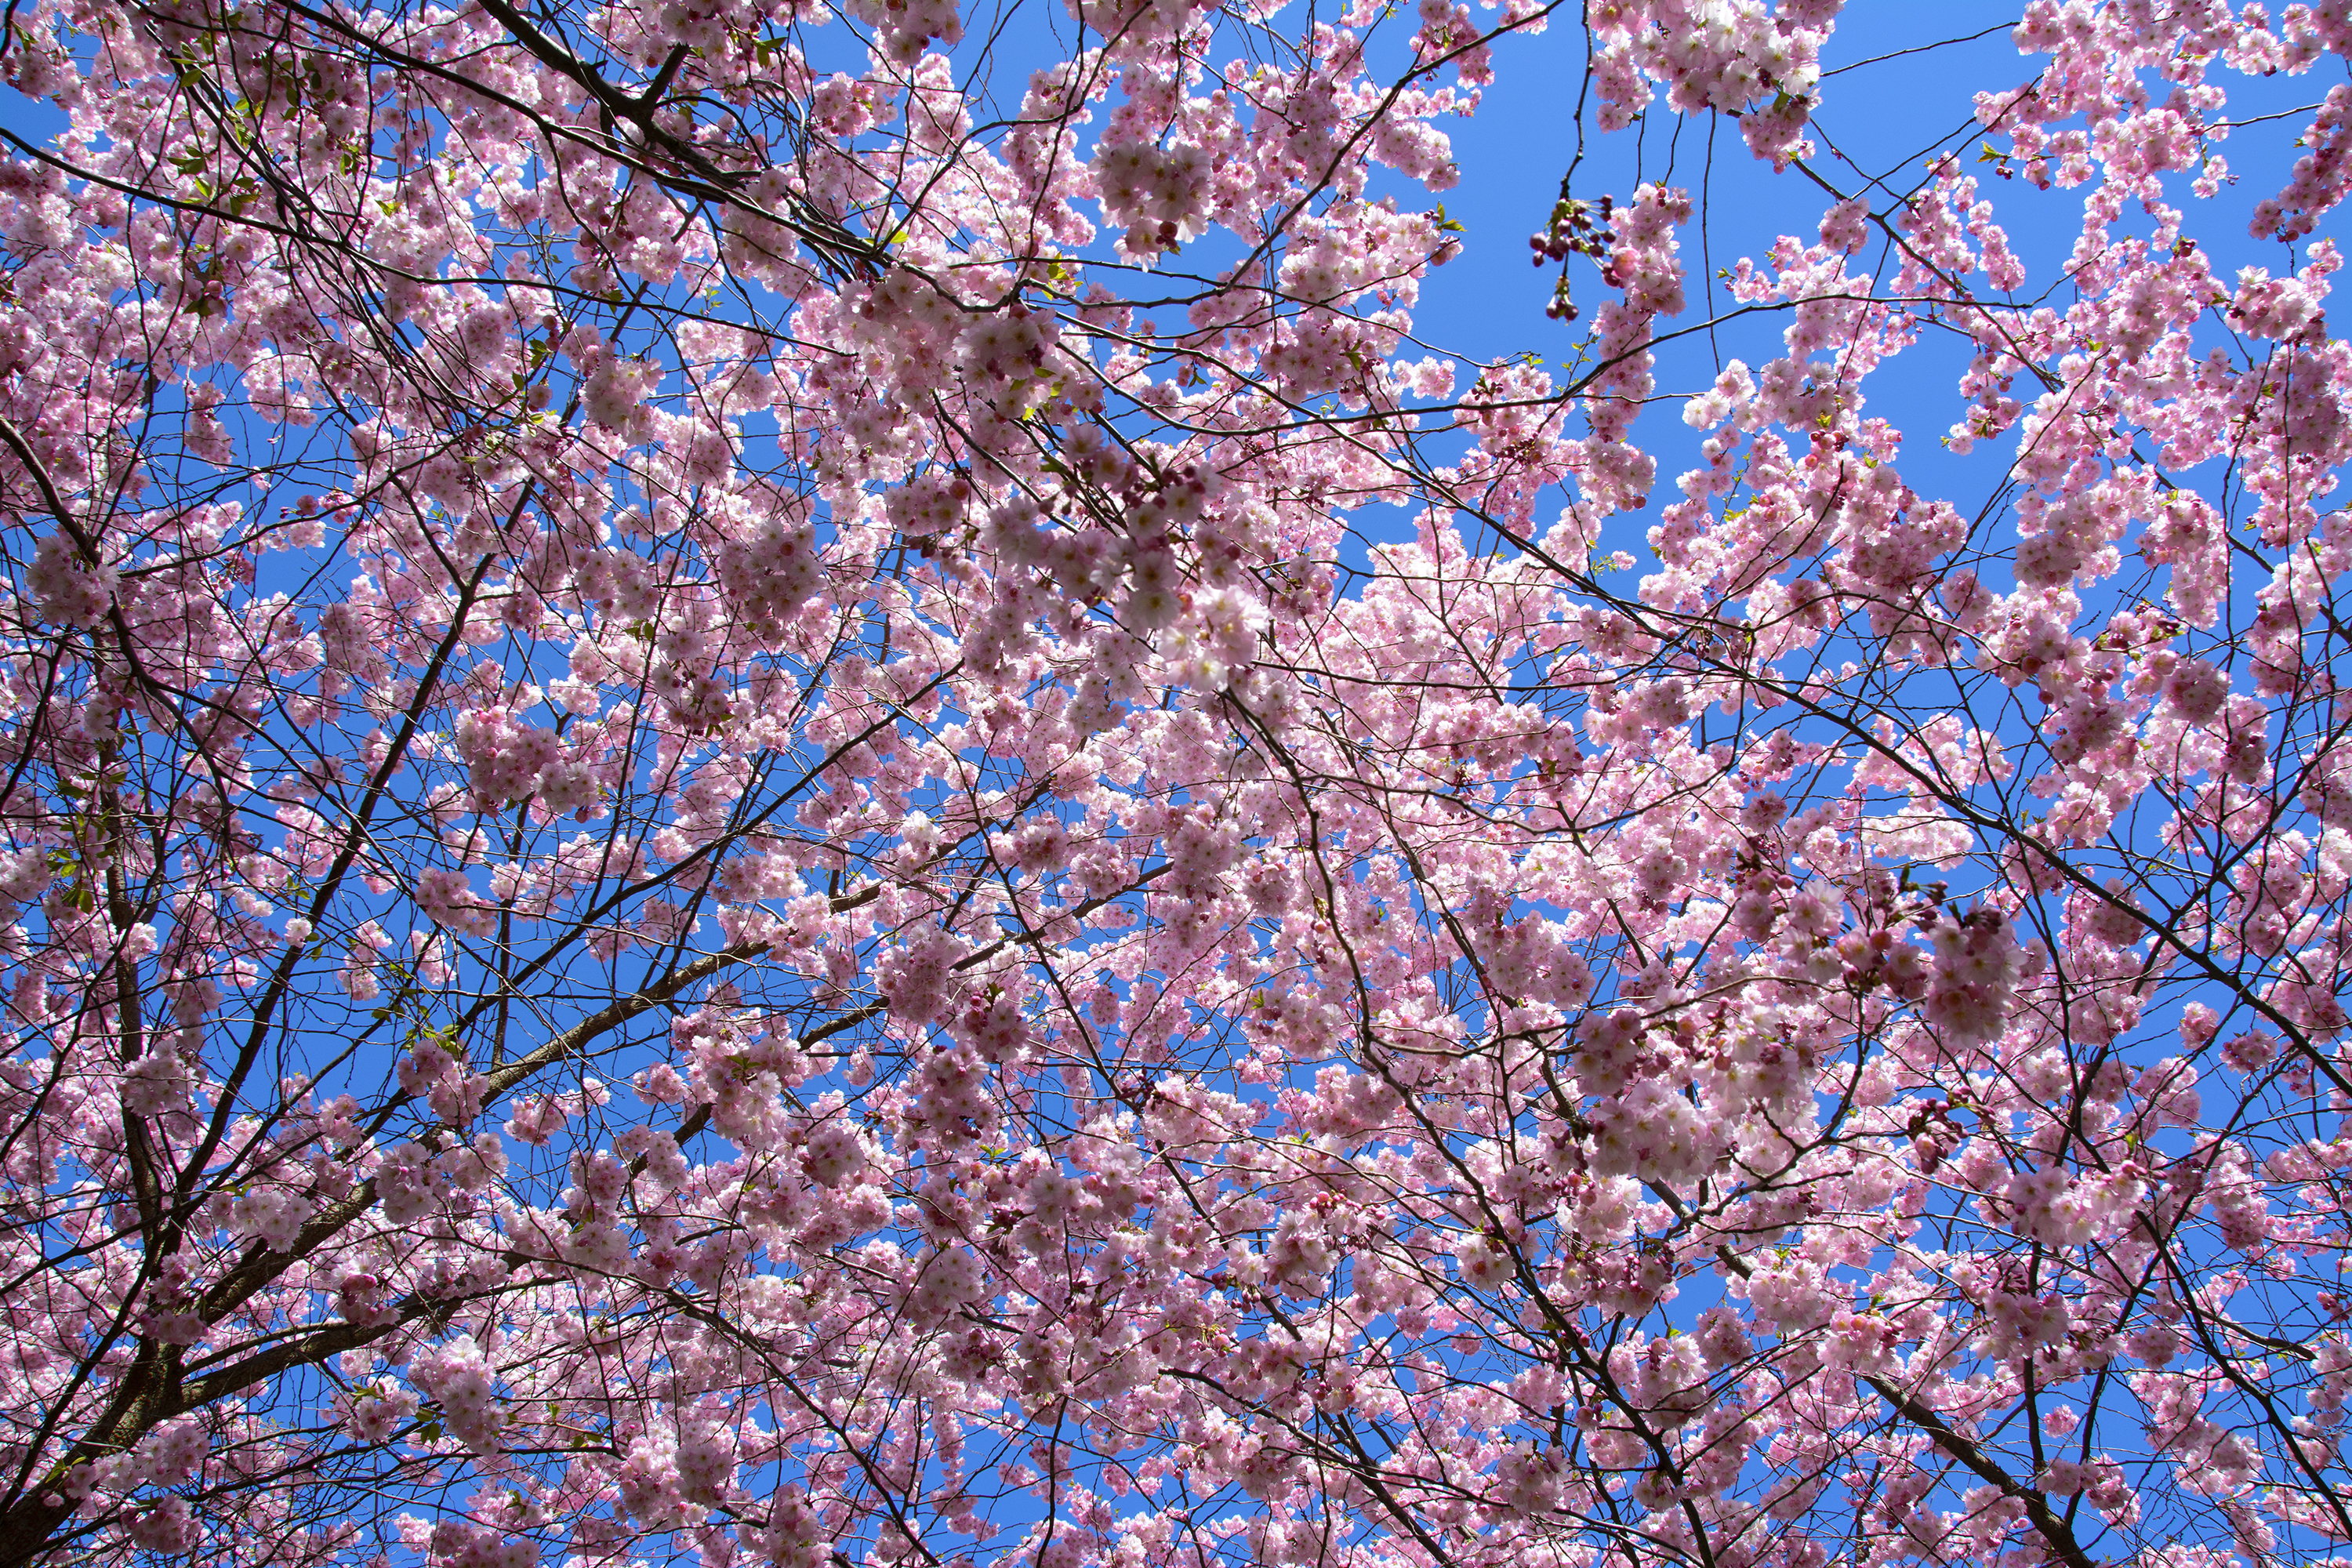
(1577, 228)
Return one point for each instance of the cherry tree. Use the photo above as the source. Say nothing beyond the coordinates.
(729, 834)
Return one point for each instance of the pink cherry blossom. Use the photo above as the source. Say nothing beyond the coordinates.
(797, 786)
